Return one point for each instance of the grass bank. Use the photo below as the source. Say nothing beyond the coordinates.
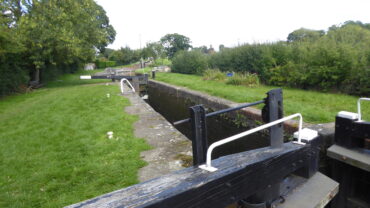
(54, 150)
(316, 107)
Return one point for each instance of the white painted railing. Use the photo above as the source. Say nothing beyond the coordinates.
(208, 165)
(128, 82)
(359, 107)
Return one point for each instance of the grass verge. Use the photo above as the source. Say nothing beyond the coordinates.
(316, 107)
(54, 150)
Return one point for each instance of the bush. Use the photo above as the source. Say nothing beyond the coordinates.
(104, 64)
(189, 62)
(247, 79)
(161, 62)
(214, 74)
(338, 61)
(12, 77)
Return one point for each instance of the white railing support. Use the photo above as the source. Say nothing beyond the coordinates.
(128, 82)
(208, 165)
(359, 107)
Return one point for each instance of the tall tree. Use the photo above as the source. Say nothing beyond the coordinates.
(64, 33)
(173, 43)
(304, 34)
(153, 49)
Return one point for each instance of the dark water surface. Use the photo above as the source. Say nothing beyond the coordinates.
(218, 127)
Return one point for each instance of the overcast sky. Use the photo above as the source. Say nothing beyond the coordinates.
(228, 22)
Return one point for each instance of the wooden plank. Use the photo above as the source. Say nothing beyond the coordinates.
(238, 176)
(316, 192)
(352, 157)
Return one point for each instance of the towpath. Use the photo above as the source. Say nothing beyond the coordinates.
(170, 151)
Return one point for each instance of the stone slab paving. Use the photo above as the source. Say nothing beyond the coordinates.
(168, 144)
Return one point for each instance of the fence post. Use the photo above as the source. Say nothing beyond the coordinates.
(153, 74)
(199, 134)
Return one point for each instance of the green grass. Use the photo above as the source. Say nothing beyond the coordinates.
(54, 150)
(316, 107)
(146, 70)
(74, 79)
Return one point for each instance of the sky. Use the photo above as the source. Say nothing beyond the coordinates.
(227, 22)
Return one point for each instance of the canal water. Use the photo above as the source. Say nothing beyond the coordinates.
(175, 108)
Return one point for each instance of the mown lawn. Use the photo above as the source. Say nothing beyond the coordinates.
(53, 145)
(316, 107)
(74, 79)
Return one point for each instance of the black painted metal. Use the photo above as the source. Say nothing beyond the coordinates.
(118, 77)
(350, 133)
(199, 134)
(222, 111)
(354, 182)
(273, 110)
(274, 103)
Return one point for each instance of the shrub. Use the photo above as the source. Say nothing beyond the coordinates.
(161, 62)
(12, 77)
(247, 79)
(214, 74)
(100, 64)
(189, 62)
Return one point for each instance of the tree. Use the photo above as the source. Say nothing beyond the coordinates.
(202, 49)
(304, 34)
(153, 49)
(173, 43)
(125, 55)
(189, 62)
(63, 34)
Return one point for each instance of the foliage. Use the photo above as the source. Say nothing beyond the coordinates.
(247, 79)
(189, 62)
(69, 159)
(305, 35)
(162, 62)
(173, 43)
(204, 49)
(154, 50)
(214, 74)
(125, 56)
(101, 64)
(47, 38)
(12, 76)
(336, 61)
(306, 102)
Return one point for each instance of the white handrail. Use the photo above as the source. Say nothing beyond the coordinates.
(128, 82)
(359, 107)
(208, 165)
